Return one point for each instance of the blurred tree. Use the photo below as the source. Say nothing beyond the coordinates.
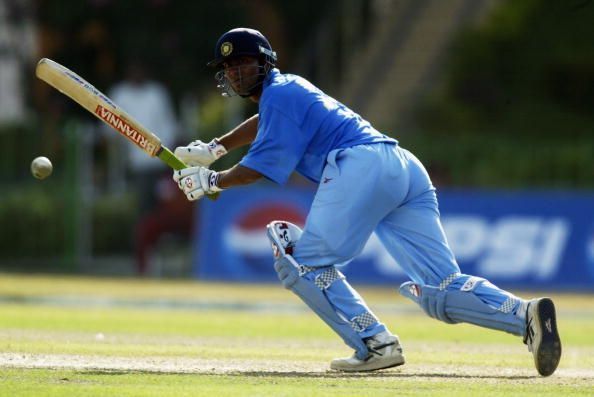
(529, 69)
(515, 105)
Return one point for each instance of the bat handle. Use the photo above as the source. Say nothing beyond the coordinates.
(167, 156)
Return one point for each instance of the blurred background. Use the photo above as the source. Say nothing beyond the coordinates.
(496, 97)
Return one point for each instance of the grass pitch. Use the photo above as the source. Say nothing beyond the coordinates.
(125, 337)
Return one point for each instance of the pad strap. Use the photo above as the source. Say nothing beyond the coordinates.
(448, 280)
(324, 280)
(363, 321)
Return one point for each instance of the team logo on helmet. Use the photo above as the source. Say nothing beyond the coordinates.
(226, 48)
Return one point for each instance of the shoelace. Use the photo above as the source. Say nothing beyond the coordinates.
(375, 349)
(529, 337)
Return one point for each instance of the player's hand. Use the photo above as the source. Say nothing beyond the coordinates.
(195, 182)
(200, 153)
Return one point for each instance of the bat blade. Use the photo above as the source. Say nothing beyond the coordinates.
(97, 103)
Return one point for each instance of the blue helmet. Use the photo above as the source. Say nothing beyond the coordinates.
(237, 43)
(243, 42)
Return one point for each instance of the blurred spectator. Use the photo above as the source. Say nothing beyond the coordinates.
(17, 49)
(150, 103)
(171, 217)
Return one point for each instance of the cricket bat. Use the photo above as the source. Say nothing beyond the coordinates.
(90, 98)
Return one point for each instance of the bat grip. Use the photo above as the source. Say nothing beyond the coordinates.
(170, 159)
(167, 156)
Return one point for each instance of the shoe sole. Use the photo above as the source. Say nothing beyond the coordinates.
(548, 354)
(373, 366)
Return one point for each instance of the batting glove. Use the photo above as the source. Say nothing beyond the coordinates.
(199, 153)
(195, 182)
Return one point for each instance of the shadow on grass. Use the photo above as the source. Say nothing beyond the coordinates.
(303, 374)
(386, 374)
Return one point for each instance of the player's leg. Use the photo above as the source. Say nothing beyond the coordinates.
(463, 298)
(349, 203)
(415, 239)
(414, 236)
(326, 292)
(344, 213)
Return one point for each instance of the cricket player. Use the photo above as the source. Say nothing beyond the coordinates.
(366, 183)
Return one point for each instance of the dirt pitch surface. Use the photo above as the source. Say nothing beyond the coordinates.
(182, 365)
(447, 370)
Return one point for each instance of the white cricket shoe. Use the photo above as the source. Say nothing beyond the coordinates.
(384, 352)
(541, 336)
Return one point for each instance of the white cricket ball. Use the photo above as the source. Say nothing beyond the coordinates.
(41, 167)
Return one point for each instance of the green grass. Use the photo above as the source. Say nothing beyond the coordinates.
(167, 348)
(46, 383)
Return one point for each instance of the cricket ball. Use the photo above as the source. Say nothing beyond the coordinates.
(41, 167)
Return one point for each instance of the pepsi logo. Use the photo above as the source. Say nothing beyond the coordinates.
(247, 235)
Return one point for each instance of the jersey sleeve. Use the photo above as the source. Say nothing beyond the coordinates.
(278, 147)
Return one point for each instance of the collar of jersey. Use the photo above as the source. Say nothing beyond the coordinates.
(271, 75)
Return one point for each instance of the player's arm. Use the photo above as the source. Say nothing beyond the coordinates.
(203, 154)
(195, 182)
(237, 175)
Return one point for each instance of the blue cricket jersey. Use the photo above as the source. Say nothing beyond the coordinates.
(299, 125)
